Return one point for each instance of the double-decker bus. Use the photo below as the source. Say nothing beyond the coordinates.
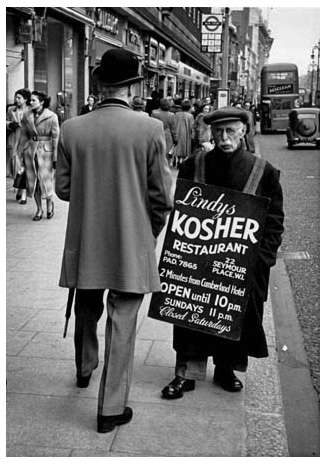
(279, 94)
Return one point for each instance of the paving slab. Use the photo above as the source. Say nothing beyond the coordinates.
(17, 340)
(161, 354)
(54, 422)
(154, 329)
(17, 317)
(169, 430)
(27, 450)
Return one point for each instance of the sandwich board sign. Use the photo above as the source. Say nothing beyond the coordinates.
(207, 259)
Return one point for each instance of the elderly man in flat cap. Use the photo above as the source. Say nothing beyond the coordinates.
(229, 165)
(112, 169)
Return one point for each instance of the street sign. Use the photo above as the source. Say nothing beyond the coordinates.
(211, 31)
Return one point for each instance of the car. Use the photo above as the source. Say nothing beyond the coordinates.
(303, 127)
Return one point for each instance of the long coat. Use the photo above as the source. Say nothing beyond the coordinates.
(232, 172)
(112, 169)
(185, 127)
(38, 145)
(202, 131)
(169, 123)
(14, 159)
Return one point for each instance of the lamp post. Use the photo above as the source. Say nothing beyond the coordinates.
(312, 66)
(317, 47)
(225, 58)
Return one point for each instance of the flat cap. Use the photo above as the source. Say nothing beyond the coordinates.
(226, 114)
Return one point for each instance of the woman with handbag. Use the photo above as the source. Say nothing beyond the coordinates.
(38, 144)
(15, 166)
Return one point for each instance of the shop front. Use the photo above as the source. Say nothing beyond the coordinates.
(113, 31)
(191, 83)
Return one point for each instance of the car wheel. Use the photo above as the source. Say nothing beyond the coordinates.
(318, 144)
(289, 144)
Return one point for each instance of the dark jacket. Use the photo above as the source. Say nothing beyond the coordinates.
(86, 109)
(232, 172)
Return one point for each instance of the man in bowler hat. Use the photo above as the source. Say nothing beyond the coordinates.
(229, 165)
(113, 171)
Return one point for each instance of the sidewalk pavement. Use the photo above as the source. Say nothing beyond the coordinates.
(47, 415)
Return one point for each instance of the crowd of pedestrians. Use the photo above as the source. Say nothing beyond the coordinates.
(33, 131)
(32, 139)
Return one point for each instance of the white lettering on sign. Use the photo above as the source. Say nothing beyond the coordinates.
(207, 229)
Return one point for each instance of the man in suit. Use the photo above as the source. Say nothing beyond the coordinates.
(113, 171)
(229, 165)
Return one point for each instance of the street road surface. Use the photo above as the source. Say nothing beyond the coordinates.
(300, 248)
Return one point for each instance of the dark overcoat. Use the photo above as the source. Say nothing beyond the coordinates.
(112, 169)
(169, 122)
(232, 171)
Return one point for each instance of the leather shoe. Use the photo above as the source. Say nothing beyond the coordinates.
(22, 202)
(83, 381)
(38, 217)
(108, 423)
(226, 379)
(176, 388)
(51, 212)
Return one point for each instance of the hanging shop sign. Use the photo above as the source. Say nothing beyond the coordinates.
(134, 41)
(107, 23)
(207, 260)
(151, 52)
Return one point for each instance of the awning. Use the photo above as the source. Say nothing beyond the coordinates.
(74, 15)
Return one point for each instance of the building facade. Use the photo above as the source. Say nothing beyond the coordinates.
(55, 49)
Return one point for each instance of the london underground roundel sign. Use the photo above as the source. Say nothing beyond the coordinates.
(211, 23)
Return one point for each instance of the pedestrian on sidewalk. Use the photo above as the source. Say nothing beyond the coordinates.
(89, 106)
(229, 165)
(202, 131)
(112, 169)
(38, 145)
(169, 123)
(185, 132)
(138, 104)
(15, 165)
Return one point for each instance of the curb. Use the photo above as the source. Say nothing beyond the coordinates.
(300, 401)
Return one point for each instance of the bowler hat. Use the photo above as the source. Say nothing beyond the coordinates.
(226, 114)
(117, 67)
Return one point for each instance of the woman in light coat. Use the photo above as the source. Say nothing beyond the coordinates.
(38, 143)
(185, 127)
(202, 131)
(13, 125)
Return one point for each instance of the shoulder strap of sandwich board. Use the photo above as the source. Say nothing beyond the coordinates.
(199, 167)
(255, 176)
